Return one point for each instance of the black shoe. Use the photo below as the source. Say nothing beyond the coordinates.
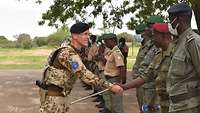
(96, 100)
(100, 105)
(104, 110)
(88, 88)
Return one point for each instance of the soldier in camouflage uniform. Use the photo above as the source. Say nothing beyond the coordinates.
(140, 56)
(65, 66)
(158, 69)
(146, 93)
(183, 83)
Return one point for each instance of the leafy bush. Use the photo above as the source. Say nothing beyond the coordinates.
(24, 41)
(40, 41)
(3, 41)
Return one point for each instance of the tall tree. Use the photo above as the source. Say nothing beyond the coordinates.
(112, 11)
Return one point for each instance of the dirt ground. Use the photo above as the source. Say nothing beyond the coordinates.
(18, 94)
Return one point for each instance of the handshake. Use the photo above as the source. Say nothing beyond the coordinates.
(117, 88)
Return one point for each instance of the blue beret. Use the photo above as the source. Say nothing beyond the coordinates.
(79, 27)
(180, 8)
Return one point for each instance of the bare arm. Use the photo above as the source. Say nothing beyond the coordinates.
(122, 74)
(134, 83)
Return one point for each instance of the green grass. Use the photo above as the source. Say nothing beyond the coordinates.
(36, 58)
(17, 58)
(131, 57)
(21, 66)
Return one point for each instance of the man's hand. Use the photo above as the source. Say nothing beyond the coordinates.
(116, 89)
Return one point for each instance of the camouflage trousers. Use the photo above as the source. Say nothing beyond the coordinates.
(113, 102)
(164, 103)
(164, 109)
(54, 104)
(140, 97)
(151, 98)
(192, 110)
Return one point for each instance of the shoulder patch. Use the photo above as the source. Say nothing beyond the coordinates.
(74, 65)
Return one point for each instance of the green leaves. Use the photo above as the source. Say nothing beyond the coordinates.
(111, 12)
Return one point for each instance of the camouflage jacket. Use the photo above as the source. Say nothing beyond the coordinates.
(158, 71)
(145, 63)
(66, 67)
(140, 57)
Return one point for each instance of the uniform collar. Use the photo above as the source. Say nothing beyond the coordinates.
(114, 48)
(184, 34)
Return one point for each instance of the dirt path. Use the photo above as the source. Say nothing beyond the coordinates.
(18, 94)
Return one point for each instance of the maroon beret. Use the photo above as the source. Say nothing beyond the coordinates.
(161, 27)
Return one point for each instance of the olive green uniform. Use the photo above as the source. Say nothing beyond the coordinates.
(62, 72)
(183, 84)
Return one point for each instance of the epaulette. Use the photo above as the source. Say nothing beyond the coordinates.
(190, 37)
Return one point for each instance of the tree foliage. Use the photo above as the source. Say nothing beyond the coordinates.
(128, 37)
(3, 41)
(40, 41)
(59, 36)
(24, 41)
(111, 11)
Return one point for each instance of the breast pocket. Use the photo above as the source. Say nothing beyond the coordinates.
(178, 65)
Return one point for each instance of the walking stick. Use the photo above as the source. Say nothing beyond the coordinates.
(84, 98)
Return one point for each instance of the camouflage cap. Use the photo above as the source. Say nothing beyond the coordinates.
(155, 19)
(109, 36)
(140, 28)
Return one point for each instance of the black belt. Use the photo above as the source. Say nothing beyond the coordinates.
(181, 97)
(110, 77)
(101, 71)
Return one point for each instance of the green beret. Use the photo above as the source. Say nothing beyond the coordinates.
(109, 36)
(99, 38)
(155, 19)
(140, 28)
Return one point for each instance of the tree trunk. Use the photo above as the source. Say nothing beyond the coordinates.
(196, 9)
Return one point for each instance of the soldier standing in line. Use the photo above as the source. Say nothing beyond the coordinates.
(114, 72)
(183, 83)
(140, 56)
(100, 58)
(65, 66)
(91, 63)
(158, 69)
(124, 49)
(147, 91)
